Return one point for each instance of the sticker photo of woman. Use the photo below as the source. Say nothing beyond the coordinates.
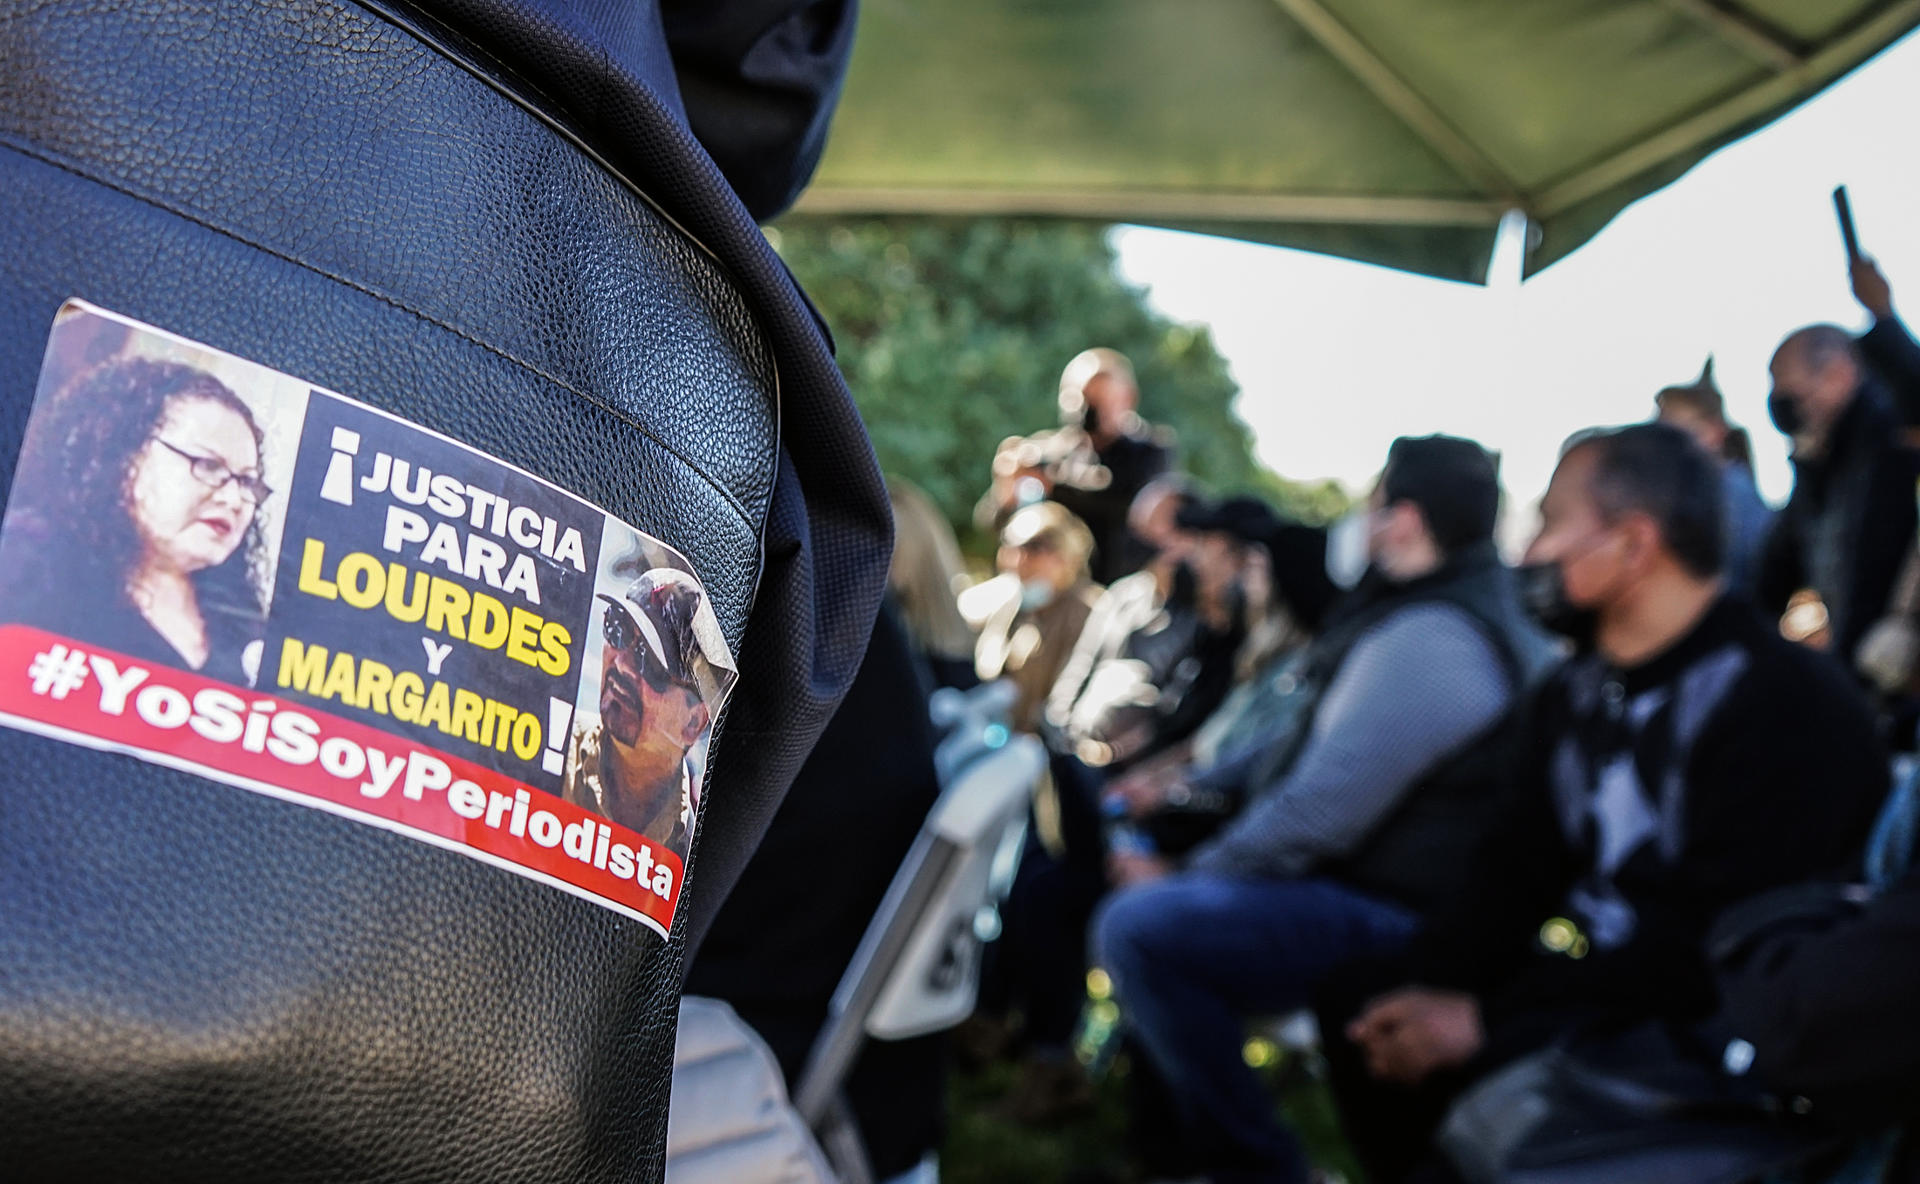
(138, 501)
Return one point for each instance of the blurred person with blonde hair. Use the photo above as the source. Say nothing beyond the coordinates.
(924, 579)
(1698, 409)
(1030, 635)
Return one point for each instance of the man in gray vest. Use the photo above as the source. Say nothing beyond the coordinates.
(1374, 778)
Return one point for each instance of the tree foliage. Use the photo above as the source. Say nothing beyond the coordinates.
(952, 335)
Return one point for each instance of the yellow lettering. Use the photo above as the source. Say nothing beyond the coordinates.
(467, 710)
(447, 605)
(494, 730)
(302, 666)
(339, 679)
(406, 696)
(312, 556)
(554, 656)
(526, 735)
(524, 635)
(376, 679)
(361, 580)
(434, 714)
(407, 690)
(489, 625)
(412, 608)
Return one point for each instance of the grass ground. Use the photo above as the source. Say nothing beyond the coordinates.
(985, 1147)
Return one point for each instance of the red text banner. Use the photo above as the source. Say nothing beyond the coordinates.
(68, 689)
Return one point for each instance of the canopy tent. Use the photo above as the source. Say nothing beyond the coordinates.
(1393, 131)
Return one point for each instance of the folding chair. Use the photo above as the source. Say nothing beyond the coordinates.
(917, 970)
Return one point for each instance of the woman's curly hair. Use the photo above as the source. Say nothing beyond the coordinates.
(76, 475)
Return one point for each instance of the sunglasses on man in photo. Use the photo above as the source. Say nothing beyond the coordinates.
(623, 633)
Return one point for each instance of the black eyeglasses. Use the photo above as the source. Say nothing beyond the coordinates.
(623, 633)
(213, 473)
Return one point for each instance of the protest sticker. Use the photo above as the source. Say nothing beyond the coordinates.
(214, 566)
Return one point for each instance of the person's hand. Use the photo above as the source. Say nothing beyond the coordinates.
(1889, 653)
(1143, 791)
(1126, 868)
(1870, 287)
(1409, 1034)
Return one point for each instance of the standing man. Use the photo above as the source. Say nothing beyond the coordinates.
(1095, 464)
(1849, 525)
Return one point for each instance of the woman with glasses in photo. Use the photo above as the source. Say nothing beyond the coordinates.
(140, 485)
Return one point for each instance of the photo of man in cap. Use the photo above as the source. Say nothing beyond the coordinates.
(632, 765)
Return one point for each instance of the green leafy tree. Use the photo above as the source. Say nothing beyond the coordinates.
(952, 335)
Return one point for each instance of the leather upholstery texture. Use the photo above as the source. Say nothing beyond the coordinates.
(200, 983)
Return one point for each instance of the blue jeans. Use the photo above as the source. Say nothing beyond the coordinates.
(1192, 954)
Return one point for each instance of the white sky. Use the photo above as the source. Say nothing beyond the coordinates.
(1335, 358)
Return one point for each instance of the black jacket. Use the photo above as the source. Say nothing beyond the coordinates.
(1849, 526)
(1099, 486)
(502, 220)
(1830, 1013)
(1895, 359)
(1651, 800)
(1413, 855)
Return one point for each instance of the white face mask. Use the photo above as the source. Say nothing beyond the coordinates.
(1347, 548)
(1035, 595)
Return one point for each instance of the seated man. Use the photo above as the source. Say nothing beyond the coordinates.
(1360, 806)
(1044, 603)
(1688, 757)
(1157, 654)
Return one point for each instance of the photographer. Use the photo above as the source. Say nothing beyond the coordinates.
(1095, 464)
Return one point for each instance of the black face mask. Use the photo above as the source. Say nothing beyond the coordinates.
(1785, 414)
(1543, 589)
(1186, 589)
(1236, 610)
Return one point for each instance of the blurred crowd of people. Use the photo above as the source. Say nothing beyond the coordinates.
(1607, 806)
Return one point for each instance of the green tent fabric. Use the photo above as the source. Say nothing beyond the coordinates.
(1393, 131)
